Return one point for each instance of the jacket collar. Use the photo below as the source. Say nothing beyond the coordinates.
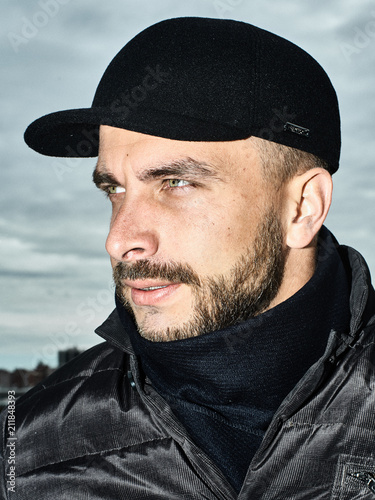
(362, 296)
(113, 331)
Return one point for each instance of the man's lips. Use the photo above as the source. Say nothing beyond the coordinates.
(150, 292)
(141, 284)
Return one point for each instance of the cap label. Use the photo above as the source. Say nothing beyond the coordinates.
(296, 129)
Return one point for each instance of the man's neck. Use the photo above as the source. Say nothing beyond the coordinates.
(299, 268)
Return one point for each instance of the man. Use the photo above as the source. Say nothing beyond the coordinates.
(238, 362)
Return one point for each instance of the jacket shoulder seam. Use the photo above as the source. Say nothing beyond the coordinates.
(43, 387)
(93, 454)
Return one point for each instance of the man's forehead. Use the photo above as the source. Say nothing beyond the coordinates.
(150, 153)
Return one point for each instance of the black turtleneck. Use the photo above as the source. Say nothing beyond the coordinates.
(225, 386)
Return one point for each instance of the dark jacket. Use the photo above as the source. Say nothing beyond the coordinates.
(96, 430)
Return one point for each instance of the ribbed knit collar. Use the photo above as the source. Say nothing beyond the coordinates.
(237, 377)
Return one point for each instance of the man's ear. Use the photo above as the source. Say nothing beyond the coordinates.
(308, 198)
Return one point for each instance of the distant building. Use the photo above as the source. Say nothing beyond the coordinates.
(4, 378)
(68, 355)
(40, 373)
(21, 380)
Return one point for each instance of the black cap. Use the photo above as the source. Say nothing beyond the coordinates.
(199, 79)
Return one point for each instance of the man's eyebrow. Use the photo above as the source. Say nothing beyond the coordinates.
(186, 167)
(101, 177)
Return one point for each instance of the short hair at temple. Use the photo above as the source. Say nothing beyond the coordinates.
(280, 163)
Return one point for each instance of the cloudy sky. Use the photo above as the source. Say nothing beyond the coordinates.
(55, 275)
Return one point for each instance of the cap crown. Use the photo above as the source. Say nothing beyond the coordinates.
(200, 79)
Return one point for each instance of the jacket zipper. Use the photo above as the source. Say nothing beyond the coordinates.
(367, 478)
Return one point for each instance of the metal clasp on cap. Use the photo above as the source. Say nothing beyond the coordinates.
(296, 129)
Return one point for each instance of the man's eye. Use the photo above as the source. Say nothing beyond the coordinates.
(115, 189)
(177, 183)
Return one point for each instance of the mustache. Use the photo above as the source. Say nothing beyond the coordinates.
(143, 269)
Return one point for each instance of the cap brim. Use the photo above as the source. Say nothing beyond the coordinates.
(75, 132)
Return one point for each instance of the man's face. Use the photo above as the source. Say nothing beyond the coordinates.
(196, 241)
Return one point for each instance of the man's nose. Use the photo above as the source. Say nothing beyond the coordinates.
(131, 236)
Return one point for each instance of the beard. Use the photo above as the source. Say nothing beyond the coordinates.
(218, 301)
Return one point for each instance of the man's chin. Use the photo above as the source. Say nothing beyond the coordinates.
(159, 324)
(156, 327)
